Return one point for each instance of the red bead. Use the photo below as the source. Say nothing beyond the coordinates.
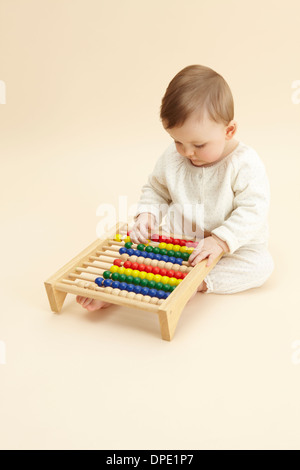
(163, 272)
(168, 240)
(162, 239)
(184, 275)
(178, 275)
(141, 267)
(127, 264)
(135, 266)
(171, 273)
(176, 241)
(118, 262)
(156, 270)
(181, 242)
(148, 269)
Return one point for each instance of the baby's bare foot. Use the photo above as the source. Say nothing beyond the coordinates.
(91, 304)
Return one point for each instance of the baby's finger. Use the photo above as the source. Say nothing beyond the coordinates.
(143, 234)
(86, 302)
(135, 234)
(201, 256)
(194, 254)
(210, 260)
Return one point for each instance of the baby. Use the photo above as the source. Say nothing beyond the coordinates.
(208, 186)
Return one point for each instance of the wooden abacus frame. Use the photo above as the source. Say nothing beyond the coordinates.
(168, 310)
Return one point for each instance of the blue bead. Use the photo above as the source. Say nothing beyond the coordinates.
(99, 281)
(160, 294)
(151, 255)
(122, 250)
(137, 289)
(179, 261)
(153, 292)
(145, 291)
(115, 285)
(173, 260)
(158, 257)
(130, 287)
(165, 258)
(138, 252)
(130, 252)
(123, 286)
(107, 283)
(145, 254)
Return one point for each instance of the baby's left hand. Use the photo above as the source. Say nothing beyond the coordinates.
(207, 248)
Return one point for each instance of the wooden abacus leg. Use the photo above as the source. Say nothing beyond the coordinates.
(168, 321)
(56, 298)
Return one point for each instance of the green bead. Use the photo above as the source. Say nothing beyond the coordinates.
(129, 279)
(171, 253)
(185, 256)
(136, 281)
(106, 274)
(156, 250)
(177, 254)
(128, 245)
(144, 283)
(152, 285)
(160, 286)
(172, 288)
(122, 277)
(149, 249)
(140, 247)
(167, 287)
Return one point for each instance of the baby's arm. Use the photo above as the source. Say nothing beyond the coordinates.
(248, 220)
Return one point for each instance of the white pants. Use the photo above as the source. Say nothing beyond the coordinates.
(249, 266)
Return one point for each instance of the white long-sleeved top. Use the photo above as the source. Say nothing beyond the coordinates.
(229, 198)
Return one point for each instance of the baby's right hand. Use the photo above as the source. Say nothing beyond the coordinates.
(143, 227)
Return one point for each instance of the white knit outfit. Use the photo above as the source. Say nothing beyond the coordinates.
(229, 198)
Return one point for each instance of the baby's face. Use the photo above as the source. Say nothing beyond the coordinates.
(202, 142)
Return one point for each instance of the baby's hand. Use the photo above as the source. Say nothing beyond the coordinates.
(210, 248)
(143, 227)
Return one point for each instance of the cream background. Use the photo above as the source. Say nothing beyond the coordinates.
(80, 127)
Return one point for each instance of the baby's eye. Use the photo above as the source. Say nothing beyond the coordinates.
(199, 146)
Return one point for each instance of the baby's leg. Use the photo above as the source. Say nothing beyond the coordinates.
(91, 304)
(248, 267)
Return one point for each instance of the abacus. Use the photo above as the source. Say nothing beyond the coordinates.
(155, 277)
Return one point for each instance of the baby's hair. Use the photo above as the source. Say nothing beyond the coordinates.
(194, 89)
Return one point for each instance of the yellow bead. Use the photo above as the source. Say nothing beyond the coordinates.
(179, 281)
(173, 281)
(143, 275)
(127, 239)
(128, 272)
(183, 249)
(150, 276)
(162, 246)
(165, 279)
(118, 237)
(157, 278)
(135, 273)
(176, 247)
(169, 246)
(190, 250)
(121, 270)
(114, 269)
